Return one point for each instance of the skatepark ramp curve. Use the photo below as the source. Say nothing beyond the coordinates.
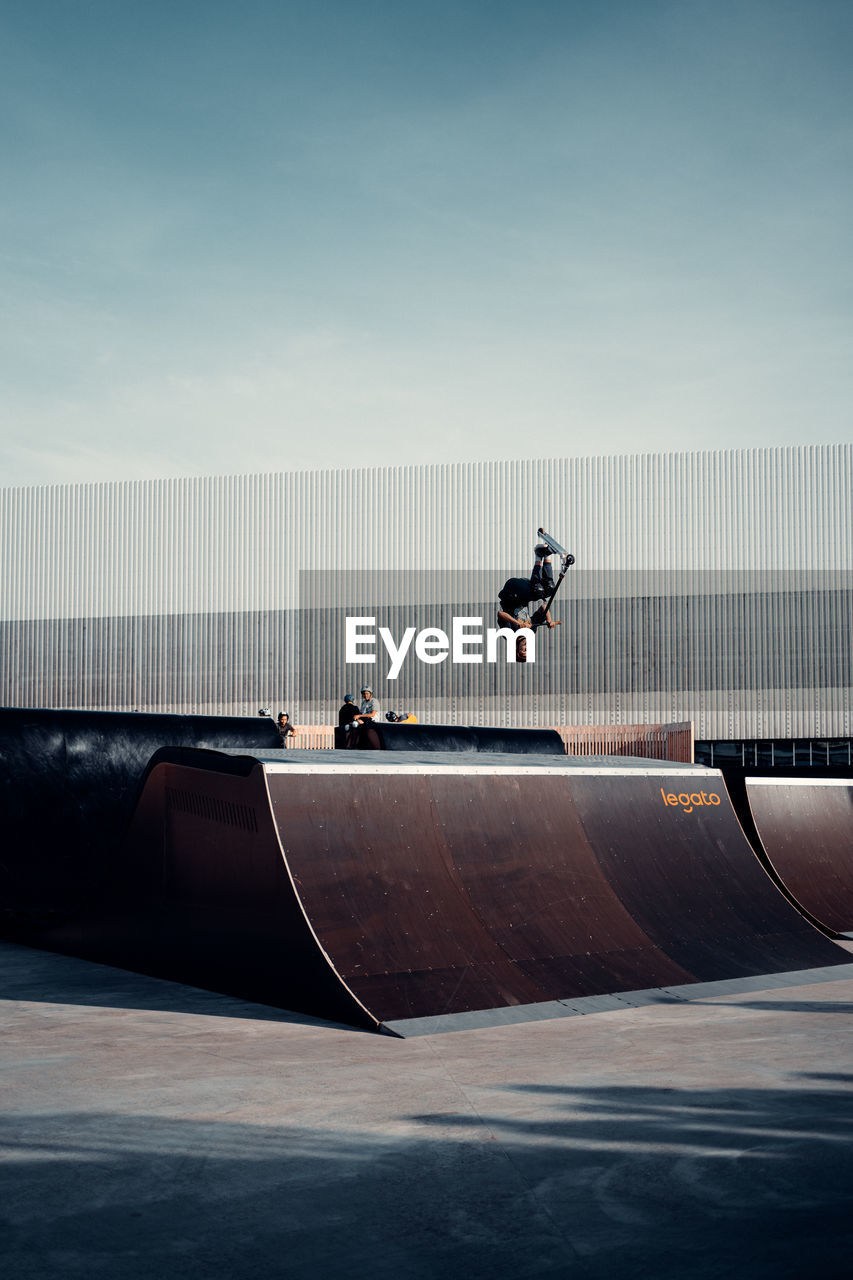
(376, 888)
(806, 830)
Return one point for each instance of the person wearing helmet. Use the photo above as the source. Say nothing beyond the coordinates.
(359, 724)
(369, 708)
(363, 734)
(347, 712)
(286, 728)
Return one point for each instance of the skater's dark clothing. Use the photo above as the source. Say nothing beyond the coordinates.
(359, 721)
(366, 738)
(348, 712)
(517, 594)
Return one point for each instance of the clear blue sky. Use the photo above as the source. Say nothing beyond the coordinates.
(272, 236)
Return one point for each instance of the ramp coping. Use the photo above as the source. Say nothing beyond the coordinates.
(450, 762)
(800, 782)
(429, 767)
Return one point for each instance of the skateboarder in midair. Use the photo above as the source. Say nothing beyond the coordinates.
(524, 603)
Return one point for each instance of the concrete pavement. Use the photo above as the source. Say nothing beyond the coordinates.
(152, 1130)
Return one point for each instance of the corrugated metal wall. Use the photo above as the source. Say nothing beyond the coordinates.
(709, 586)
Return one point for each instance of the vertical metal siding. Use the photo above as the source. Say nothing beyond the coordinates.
(181, 593)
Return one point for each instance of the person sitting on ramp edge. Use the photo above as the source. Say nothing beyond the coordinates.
(363, 734)
(348, 712)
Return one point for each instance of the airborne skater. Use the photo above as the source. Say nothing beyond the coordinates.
(517, 595)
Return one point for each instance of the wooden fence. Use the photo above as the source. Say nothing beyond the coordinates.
(313, 737)
(651, 741)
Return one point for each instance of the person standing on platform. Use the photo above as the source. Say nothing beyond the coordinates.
(285, 728)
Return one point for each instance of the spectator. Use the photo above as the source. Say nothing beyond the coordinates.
(362, 734)
(285, 728)
(369, 708)
(347, 713)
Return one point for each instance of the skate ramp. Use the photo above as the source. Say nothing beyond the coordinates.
(806, 830)
(376, 889)
(69, 781)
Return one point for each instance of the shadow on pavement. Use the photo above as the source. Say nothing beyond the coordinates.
(552, 1181)
(47, 977)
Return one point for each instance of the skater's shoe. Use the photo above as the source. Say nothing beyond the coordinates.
(541, 550)
(552, 544)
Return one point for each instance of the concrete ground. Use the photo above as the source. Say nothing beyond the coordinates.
(152, 1130)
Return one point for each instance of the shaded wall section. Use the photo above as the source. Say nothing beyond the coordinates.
(748, 663)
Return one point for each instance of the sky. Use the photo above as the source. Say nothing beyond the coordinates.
(275, 236)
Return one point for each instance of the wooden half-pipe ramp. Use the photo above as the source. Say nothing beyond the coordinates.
(806, 829)
(377, 888)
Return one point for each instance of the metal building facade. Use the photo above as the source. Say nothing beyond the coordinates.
(712, 586)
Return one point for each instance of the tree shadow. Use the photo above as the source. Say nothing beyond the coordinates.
(670, 1182)
(562, 1181)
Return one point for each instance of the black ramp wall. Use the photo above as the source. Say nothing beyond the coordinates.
(481, 738)
(69, 781)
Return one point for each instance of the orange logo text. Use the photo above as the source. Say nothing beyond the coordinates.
(690, 802)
